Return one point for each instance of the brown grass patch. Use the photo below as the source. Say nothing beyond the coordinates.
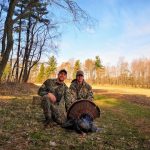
(17, 89)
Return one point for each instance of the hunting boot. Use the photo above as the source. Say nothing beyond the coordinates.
(48, 122)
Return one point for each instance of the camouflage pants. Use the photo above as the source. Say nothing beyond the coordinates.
(53, 111)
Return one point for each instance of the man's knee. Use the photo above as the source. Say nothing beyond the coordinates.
(59, 117)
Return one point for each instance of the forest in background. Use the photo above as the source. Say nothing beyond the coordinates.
(133, 74)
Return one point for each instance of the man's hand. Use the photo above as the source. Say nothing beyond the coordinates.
(52, 97)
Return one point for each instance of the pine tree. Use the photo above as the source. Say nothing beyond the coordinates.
(40, 76)
(98, 67)
(98, 63)
(52, 65)
(77, 67)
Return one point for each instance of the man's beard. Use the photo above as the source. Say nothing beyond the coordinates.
(59, 79)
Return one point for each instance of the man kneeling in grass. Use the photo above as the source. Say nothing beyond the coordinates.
(55, 99)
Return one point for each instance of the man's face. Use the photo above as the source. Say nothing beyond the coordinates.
(62, 76)
(80, 78)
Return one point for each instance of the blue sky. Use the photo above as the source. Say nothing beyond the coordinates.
(122, 29)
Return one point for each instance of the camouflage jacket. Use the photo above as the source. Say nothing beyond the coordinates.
(60, 90)
(83, 91)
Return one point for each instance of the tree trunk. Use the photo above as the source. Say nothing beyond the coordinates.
(7, 40)
(18, 51)
(27, 52)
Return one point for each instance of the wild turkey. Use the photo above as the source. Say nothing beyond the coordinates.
(81, 107)
(80, 116)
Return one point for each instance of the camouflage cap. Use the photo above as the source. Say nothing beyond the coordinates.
(62, 70)
(79, 72)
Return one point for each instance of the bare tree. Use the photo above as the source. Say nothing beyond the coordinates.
(89, 67)
(69, 6)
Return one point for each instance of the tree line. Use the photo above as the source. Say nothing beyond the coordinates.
(29, 29)
(134, 74)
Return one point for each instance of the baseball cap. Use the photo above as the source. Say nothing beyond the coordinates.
(62, 70)
(79, 72)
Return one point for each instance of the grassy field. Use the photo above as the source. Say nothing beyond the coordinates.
(124, 124)
(124, 90)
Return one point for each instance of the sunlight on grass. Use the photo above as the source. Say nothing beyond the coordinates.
(123, 90)
(6, 97)
(109, 102)
(129, 108)
(131, 113)
(134, 110)
(102, 100)
(13, 98)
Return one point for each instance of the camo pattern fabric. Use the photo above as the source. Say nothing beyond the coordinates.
(56, 111)
(81, 91)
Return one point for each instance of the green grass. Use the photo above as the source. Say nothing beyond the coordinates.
(123, 89)
(124, 125)
(131, 120)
